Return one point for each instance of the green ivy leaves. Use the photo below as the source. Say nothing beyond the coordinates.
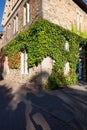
(43, 39)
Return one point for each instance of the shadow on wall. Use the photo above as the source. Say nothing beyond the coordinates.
(39, 80)
(44, 80)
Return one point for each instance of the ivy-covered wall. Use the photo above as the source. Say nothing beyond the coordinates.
(44, 39)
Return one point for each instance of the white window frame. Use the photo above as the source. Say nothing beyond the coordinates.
(28, 12)
(67, 46)
(67, 68)
(24, 63)
(79, 21)
(25, 14)
(26, 17)
(16, 24)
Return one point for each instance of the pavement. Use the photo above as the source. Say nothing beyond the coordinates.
(24, 108)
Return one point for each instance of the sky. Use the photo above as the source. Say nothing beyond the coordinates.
(85, 1)
(2, 4)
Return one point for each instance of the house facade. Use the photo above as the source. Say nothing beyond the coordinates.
(19, 14)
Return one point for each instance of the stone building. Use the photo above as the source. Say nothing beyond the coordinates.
(19, 14)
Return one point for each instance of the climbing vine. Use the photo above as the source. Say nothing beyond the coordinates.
(43, 39)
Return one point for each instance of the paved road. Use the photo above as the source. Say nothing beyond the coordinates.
(24, 109)
(36, 120)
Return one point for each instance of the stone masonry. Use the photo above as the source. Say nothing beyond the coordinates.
(19, 14)
(8, 23)
(65, 13)
(38, 74)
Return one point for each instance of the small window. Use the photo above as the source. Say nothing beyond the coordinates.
(28, 12)
(67, 46)
(67, 68)
(16, 24)
(79, 21)
(26, 17)
(24, 63)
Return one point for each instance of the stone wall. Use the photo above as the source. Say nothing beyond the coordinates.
(35, 13)
(61, 12)
(64, 13)
(37, 75)
(0, 42)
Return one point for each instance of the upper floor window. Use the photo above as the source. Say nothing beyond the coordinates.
(26, 16)
(16, 24)
(8, 30)
(79, 21)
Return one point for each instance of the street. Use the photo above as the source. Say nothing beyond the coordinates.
(24, 109)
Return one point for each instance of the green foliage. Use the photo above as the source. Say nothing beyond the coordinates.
(81, 33)
(43, 39)
(74, 29)
(14, 60)
(56, 80)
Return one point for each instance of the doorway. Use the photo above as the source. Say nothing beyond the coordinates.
(82, 69)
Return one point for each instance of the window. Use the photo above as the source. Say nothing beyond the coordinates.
(8, 30)
(67, 46)
(79, 21)
(16, 24)
(24, 63)
(26, 17)
(67, 68)
(28, 10)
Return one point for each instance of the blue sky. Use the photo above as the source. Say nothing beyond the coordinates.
(85, 1)
(2, 3)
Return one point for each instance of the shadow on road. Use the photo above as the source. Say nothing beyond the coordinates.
(11, 119)
(64, 109)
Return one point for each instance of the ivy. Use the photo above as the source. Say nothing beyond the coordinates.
(43, 39)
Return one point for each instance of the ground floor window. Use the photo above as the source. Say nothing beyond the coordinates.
(24, 63)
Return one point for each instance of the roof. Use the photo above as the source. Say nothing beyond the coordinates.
(81, 4)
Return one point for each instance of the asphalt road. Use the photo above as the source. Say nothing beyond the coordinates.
(24, 109)
(35, 120)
